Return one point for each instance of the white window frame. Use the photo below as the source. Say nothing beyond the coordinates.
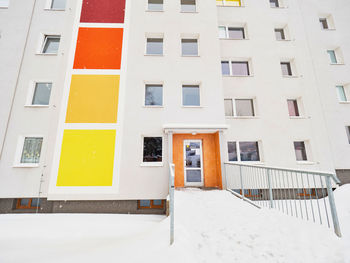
(286, 31)
(346, 88)
(347, 130)
(330, 22)
(49, 4)
(200, 94)
(300, 105)
(196, 7)
(281, 4)
(5, 6)
(30, 94)
(237, 25)
(144, 94)
(234, 107)
(338, 55)
(239, 152)
(292, 67)
(191, 37)
(250, 67)
(154, 35)
(148, 10)
(152, 164)
(308, 150)
(19, 150)
(43, 39)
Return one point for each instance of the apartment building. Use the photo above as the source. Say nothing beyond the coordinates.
(99, 96)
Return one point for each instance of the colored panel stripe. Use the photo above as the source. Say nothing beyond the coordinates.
(103, 11)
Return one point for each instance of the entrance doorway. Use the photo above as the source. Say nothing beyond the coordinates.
(193, 163)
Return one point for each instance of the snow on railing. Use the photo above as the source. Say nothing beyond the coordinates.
(303, 194)
(171, 200)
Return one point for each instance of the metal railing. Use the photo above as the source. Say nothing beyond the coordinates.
(171, 200)
(303, 194)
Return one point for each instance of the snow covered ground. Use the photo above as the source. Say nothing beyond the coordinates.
(210, 226)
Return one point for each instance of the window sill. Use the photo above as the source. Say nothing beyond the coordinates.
(247, 162)
(290, 77)
(190, 56)
(335, 64)
(4, 7)
(298, 117)
(53, 9)
(238, 76)
(344, 102)
(328, 29)
(154, 55)
(36, 106)
(226, 38)
(152, 107)
(46, 54)
(242, 117)
(150, 164)
(155, 11)
(280, 7)
(305, 162)
(189, 12)
(26, 165)
(283, 40)
(192, 107)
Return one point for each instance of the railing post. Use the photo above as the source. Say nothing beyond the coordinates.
(171, 189)
(270, 187)
(241, 176)
(333, 208)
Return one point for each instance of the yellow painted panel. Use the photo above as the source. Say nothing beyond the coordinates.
(233, 2)
(219, 2)
(93, 99)
(87, 158)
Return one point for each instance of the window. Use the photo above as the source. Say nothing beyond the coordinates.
(154, 95)
(274, 3)
(188, 5)
(249, 192)
(31, 150)
(293, 108)
(41, 95)
(58, 4)
(28, 203)
(232, 151)
(324, 23)
(189, 47)
(249, 151)
(238, 68)
(341, 93)
(225, 68)
(286, 69)
(306, 192)
(51, 44)
(280, 35)
(228, 107)
(300, 151)
(4, 3)
(155, 5)
(244, 107)
(190, 95)
(150, 204)
(228, 2)
(332, 56)
(236, 33)
(348, 132)
(152, 149)
(154, 46)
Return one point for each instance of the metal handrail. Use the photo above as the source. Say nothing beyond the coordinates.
(171, 200)
(300, 193)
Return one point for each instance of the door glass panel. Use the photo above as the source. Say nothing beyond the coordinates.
(193, 155)
(193, 176)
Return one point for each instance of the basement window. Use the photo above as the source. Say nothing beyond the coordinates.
(306, 192)
(150, 204)
(28, 203)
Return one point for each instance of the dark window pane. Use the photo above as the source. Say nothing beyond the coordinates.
(225, 67)
(280, 34)
(300, 151)
(145, 203)
(293, 108)
(193, 155)
(24, 201)
(249, 151)
(190, 95)
(244, 107)
(189, 47)
(152, 149)
(240, 68)
(232, 151)
(35, 202)
(193, 176)
(188, 5)
(324, 23)
(42, 94)
(348, 132)
(155, 5)
(274, 3)
(157, 202)
(154, 46)
(286, 69)
(236, 33)
(228, 107)
(154, 95)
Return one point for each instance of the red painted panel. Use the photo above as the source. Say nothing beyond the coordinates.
(103, 11)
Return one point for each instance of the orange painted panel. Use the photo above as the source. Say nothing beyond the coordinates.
(99, 48)
(211, 158)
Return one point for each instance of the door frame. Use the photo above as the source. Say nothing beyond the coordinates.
(193, 184)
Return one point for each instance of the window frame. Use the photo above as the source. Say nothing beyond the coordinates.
(149, 10)
(307, 151)
(245, 116)
(346, 91)
(158, 36)
(195, 6)
(152, 206)
(5, 6)
(238, 60)
(292, 68)
(43, 41)
(154, 83)
(238, 151)
(297, 103)
(329, 20)
(151, 164)
(199, 92)
(29, 206)
(190, 38)
(19, 150)
(31, 92)
(347, 128)
(338, 55)
(48, 6)
(237, 26)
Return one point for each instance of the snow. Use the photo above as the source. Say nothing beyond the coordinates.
(210, 226)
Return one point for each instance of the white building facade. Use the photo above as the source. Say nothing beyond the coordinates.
(98, 97)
